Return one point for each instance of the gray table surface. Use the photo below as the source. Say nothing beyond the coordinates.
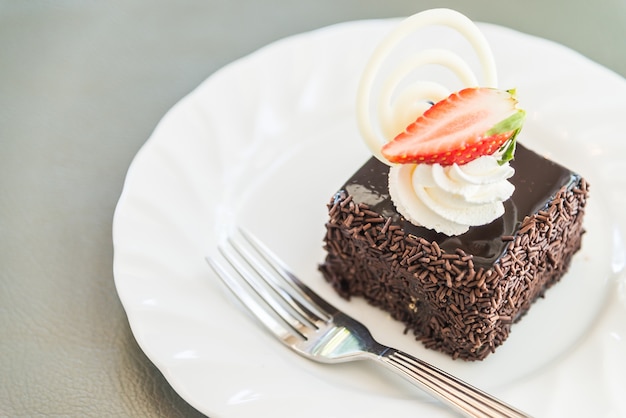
(82, 86)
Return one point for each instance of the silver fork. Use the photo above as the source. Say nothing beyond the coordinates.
(309, 325)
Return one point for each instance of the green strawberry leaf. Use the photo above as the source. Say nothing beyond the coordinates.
(509, 149)
(512, 123)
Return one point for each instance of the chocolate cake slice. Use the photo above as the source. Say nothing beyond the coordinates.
(458, 294)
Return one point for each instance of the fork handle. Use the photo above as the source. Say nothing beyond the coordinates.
(464, 397)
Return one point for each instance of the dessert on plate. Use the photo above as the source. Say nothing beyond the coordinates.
(453, 226)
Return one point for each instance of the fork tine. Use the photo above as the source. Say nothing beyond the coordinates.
(268, 274)
(324, 309)
(281, 322)
(245, 297)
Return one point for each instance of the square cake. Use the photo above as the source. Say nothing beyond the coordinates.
(452, 227)
(457, 294)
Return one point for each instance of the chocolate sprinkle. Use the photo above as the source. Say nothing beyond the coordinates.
(451, 304)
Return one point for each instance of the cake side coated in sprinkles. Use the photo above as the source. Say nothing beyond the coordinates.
(460, 302)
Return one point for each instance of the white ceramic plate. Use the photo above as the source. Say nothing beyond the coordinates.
(264, 143)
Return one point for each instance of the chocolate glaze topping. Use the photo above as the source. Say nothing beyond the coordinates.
(536, 181)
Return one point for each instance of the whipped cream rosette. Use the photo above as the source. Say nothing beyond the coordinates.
(448, 151)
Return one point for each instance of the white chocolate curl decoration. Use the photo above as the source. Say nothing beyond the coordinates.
(446, 199)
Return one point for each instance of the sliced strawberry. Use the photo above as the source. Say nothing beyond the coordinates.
(468, 124)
